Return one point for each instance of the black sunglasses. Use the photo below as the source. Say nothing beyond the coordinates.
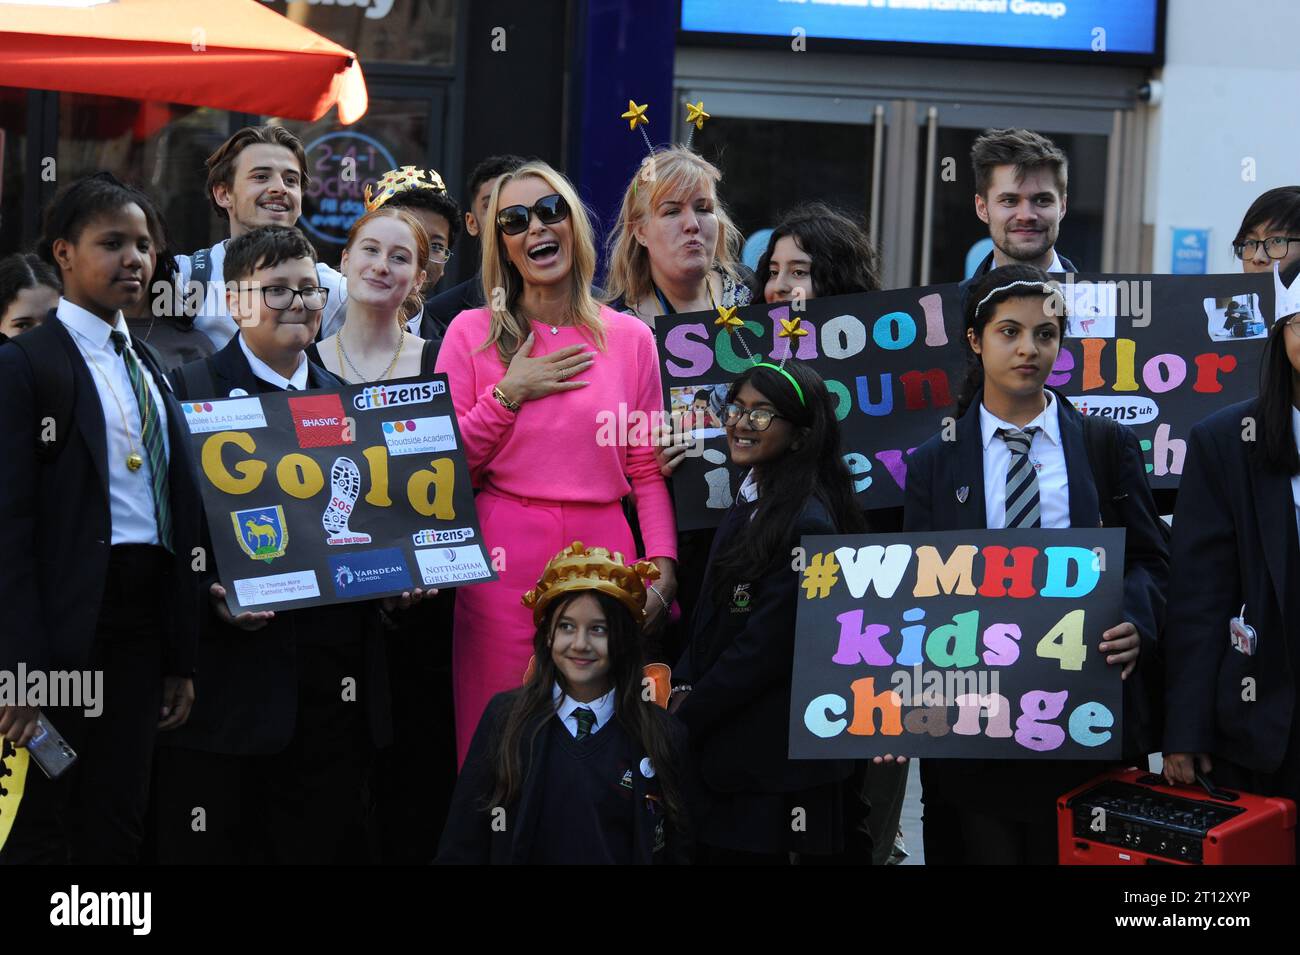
(551, 209)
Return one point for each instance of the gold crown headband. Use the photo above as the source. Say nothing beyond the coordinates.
(578, 568)
(397, 181)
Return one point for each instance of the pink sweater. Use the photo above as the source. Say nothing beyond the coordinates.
(559, 448)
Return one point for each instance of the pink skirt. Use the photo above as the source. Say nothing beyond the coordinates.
(493, 637)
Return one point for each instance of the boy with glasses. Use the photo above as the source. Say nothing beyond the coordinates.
(1270, 231)
(277, 755)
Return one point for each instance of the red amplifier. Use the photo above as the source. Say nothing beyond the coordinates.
(1132, 817)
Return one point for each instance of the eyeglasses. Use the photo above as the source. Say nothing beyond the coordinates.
(439, 254)
(1275, 247)
(1293, 325)
(551, 209)
(280, 297)
(760, 419)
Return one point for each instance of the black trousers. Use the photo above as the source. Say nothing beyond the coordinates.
(308, 804)
(94, 813)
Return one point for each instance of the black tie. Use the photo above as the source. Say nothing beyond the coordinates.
(586, 719)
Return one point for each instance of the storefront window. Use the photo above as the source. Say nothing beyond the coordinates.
(343, 160)
(160, 147)
(391, 31)
(13, 160)
(769, 167)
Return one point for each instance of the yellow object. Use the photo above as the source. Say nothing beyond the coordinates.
(790, 328)
(396, 181)
(581, 568)
(728, 320)
(635, 115)
(13, 775)
(695, 114)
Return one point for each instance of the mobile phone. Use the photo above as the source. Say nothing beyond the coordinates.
(50, 751)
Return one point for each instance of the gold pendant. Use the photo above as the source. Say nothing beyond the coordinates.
(134, 462)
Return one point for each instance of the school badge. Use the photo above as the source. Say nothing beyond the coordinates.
(740, 598)
(261, 531)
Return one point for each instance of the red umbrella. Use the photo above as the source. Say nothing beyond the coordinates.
(227, 54)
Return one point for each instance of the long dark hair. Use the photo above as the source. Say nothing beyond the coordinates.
(978, 317)
(843, 258)
(816, 469)
(535, 703)
(1275, 446)
(22, 271)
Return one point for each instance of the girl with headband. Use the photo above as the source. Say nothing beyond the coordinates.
(1234, 600)
(733, 682)
(1024, 457)
(577, 766)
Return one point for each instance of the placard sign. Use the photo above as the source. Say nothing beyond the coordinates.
(321, 497)
(1158, 353)
(977, 644)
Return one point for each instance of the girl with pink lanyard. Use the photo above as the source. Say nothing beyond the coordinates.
(556, 396)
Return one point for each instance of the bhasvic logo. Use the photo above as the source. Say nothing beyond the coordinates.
(390, 396)
(319, 421)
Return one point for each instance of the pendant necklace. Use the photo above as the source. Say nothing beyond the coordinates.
(134, 460)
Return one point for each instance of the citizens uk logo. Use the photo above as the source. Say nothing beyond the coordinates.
(390, 396)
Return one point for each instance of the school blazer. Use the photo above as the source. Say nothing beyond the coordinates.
(246, 687)
(1231, 546)
(739, 663)
(56, 522)
(938, 470)
(469, 837)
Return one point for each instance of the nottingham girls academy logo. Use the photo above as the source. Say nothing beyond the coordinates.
(390, 396)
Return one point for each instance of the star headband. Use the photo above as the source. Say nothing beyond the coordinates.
(1047, 288)
(790, 328)
(637, 119)
(397, 181)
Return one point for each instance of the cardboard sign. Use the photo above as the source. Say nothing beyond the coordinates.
(974, 644)
(323, 497)
(1158, 353)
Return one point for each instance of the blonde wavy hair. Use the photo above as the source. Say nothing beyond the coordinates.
(413, 304)
(503, 286)
(667, 174)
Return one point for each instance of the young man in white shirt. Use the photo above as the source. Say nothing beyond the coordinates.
(255, 178)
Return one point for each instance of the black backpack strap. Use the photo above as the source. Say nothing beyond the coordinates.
(194, 295)
(1102, 438)
(195, 380)
(52, 371)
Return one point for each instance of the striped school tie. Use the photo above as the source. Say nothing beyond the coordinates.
(1023, 508)
(152, 439)
(586, 720)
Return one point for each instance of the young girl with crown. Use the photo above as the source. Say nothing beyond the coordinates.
(579, 765)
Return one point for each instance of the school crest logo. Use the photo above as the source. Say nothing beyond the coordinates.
(261, 531)
(740, 598)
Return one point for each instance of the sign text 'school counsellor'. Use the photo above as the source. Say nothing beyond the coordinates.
(971, 644)
(1155, 352)
(321, 497)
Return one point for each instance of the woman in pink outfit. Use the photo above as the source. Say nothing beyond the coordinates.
(556, 397)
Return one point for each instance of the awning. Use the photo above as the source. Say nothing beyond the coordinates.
(227, 54)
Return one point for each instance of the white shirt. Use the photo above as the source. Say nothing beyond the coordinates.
(1056, 265)
(1295, 478)
(214, 318)
(565, 706)
(749, 488)
(1047, 456)
(272, 377)
(130, 493)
